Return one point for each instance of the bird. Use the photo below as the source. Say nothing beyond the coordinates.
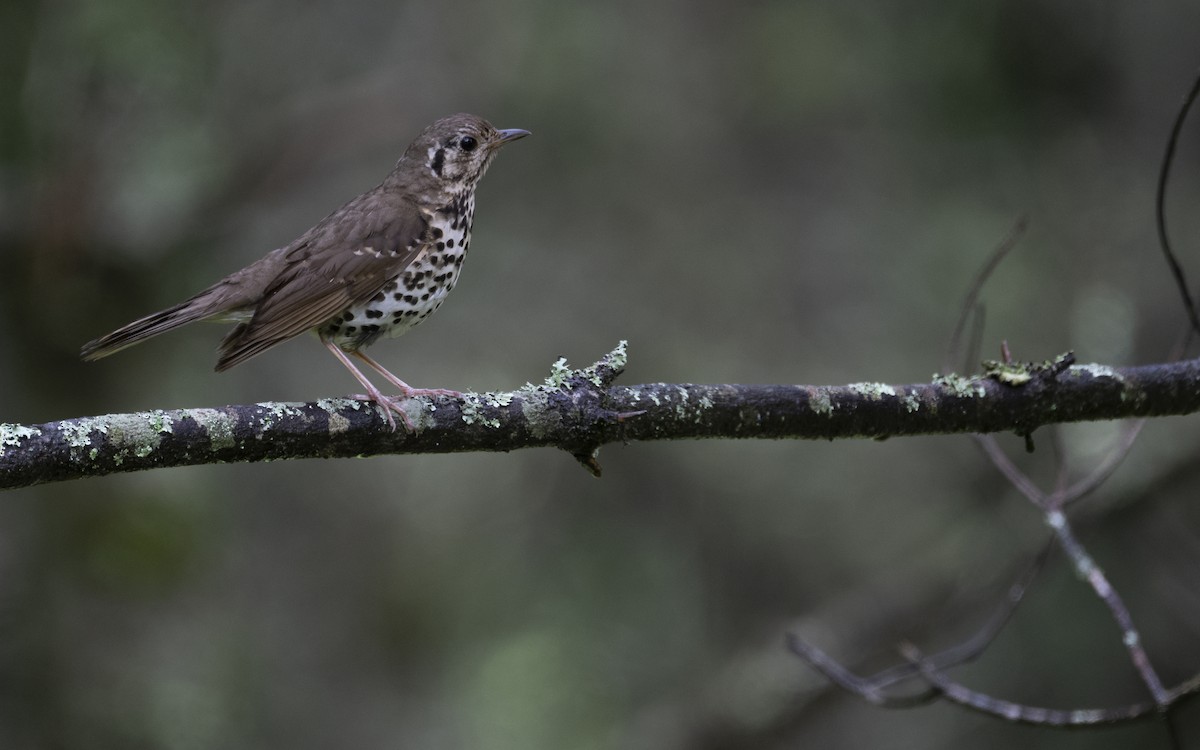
(374, 268)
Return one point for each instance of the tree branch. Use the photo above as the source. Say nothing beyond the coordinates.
(580, 410)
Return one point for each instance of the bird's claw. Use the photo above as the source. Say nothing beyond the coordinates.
(391, 404)
(432, 392)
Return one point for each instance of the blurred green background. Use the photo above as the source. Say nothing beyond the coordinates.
(795, 192)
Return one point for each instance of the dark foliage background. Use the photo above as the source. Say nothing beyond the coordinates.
(762, 192)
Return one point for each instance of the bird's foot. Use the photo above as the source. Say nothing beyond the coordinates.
(391, 404)
(431, 392)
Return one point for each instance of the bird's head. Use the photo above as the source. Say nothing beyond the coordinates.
(455, 151)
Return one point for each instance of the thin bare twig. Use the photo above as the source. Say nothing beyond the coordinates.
(1160, 200)
(872, 689)
(1099, 475)
(957, 693)
(970, 302)
(1128, 436)
(932, 669)
(1005, 466)
(1087, 569)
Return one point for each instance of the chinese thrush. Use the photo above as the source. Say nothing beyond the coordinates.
(374, 268)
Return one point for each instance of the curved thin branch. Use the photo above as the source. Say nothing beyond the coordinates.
(1160, 201)
(971, 308)
(874, 689)
(1087, 569)
(1036, 715)
(580, 410)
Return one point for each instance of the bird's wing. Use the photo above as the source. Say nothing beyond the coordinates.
(344, 260)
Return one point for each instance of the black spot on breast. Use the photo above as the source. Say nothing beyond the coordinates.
(375, 313)
(442, 245)
(437, 233)
(439, 159)
(390, 286)
(348, 330)
(378, 298)
(450, 242)
(347, 316)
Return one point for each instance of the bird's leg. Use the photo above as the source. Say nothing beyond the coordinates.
(405, 388)
(388, 405)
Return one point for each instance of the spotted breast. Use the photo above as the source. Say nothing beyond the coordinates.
(415, 294)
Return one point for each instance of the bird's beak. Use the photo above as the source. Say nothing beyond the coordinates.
(513, 134)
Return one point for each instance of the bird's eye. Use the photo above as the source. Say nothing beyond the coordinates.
(467, 143)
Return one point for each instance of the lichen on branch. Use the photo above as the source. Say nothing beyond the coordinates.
(580, 410)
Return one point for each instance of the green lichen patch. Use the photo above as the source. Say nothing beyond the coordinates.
(333, 408)
(1097, 371)
(136, 435)
(220, 426)
(687, 409)
(1016, 374)
(534, 399)
(821, 401)
(337, 404)
(619, 357)
(648, 394)
(1008, 373)
(960, 386)
(560, 374)
(160, 421)
(540, 419)
(472, 411)
(497, 400)
(614, 362)
(911, 403)
(275, 412)
(872, 391)
(11, 435)
(77, 434)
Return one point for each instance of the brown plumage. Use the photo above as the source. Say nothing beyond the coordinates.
(383, 262)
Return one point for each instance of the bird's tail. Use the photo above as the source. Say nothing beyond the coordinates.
(197, 308)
